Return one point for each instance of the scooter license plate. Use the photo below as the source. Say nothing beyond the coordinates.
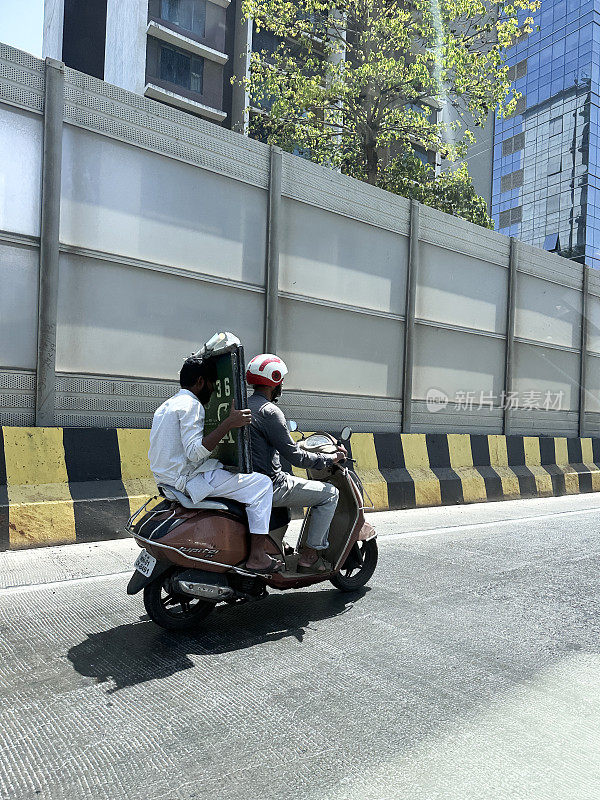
(145, 563)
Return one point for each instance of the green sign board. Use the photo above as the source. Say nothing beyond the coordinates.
(234, 449)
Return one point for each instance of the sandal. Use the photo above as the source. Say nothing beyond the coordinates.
(320, 565)
(274, 566)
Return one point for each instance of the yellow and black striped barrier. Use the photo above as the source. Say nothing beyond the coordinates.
(60, 485)
(430, 469)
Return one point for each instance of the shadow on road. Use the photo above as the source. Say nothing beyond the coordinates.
(141, 651)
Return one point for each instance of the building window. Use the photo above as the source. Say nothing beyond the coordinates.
(556, 126)
(513, 145)
(553, 165)
(552, 243)
(517, 71)
(513, 180)
(511, 217)
(521, 105)
(182, 69)
(187, 14)
(84, 36)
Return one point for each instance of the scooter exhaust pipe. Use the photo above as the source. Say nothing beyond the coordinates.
(208, 586)
(206, 590)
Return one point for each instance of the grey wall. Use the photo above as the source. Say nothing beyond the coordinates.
(125, 53)
(163, 240)
(480, 153)
(53, 28)
(480, 159)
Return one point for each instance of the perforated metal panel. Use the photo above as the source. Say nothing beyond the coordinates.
(85, 400)
(21, 58)
(13, 401)
(115, 112)
(22, 78)
(17, 419)
(332, 191)
(592, 424)
(24, 381)
(451, 420)
(312, 410)
(103, 403)
(108, 386)
(544, 423)
(101, 421)
(17, 397)
(463, 237)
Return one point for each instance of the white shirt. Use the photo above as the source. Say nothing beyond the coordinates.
(176, 451)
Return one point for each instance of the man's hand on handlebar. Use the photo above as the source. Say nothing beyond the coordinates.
(341, 454)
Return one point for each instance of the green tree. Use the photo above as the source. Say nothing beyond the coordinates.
(357, 84)
(451, 191)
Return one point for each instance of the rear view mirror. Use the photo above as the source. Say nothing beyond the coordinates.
(293, 425)
(346, 434)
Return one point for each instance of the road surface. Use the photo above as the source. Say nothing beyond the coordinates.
(470, 668)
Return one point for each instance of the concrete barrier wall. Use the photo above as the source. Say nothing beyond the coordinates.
(61, 485)
(414, 470)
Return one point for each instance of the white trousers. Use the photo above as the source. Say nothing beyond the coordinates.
(255, 491)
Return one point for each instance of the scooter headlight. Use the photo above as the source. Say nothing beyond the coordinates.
(318, 440)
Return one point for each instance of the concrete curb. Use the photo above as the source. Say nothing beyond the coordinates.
(81, 484)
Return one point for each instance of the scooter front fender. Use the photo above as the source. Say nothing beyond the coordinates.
(137, 582)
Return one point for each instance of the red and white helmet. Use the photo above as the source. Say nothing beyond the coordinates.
(266, 370)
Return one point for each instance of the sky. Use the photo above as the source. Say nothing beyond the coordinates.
(21, 24)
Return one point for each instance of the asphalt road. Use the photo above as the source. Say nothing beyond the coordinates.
(469, 669)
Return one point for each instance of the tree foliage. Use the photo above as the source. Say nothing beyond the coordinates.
(357, 84)
(451, 191)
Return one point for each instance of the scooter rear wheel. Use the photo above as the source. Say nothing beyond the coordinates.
(173, 611)
(358, 567)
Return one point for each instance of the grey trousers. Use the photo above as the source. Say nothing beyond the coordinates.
(321, 497)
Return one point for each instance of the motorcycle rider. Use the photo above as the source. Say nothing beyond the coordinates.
(271, 438)
(180, 456)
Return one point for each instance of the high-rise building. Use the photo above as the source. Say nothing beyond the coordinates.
(179, 52)
(546, 160)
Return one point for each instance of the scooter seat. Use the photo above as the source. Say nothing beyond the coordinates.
(224, 504)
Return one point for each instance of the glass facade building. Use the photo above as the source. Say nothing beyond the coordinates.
(546, 160)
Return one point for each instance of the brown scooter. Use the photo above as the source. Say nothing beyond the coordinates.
(193, 554)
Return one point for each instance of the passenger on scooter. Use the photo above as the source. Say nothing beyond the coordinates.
(271, 438)
(180, 456)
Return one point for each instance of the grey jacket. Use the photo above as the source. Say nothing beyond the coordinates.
(270, 437)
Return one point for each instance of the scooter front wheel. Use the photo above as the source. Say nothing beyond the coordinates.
(174, 611)
(358, 567)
